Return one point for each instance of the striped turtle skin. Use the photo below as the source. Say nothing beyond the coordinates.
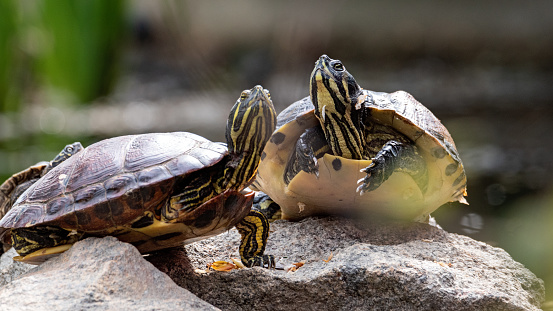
(155, 191)
(345, 150)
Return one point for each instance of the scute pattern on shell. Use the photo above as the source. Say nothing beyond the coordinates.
(113, 176)
(14, 185)
(412, 112)
(293, 111)
(416, 115)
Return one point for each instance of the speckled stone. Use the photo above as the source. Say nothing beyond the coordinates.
(348, 266)
(376, 267)
(10, 269)
(97, 274)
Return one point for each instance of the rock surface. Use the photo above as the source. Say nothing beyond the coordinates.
(97, 274)
(9, 269)
(382, 267)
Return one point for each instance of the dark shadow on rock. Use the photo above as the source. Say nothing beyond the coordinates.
(173, 262)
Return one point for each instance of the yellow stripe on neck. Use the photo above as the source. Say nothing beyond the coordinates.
(342, 134)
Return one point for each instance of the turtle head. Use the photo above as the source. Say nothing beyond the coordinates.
(66, 153)
(250, 124)
(330, 79)
(334, 94)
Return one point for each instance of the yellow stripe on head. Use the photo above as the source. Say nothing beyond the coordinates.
(334, 93)
(251, 123)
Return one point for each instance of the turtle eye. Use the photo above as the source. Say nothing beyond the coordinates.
(69, 149)
(245, 94)
(268, 94)
(338, 66)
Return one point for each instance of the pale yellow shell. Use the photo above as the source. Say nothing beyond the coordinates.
(334, 190)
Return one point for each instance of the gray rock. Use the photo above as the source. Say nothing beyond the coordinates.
(381, 267)
(10, 269)
(97, 274)
(347, 266)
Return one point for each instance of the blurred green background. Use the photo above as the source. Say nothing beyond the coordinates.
(88, 70)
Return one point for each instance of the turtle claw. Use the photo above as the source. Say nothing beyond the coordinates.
(265, 261)
(360, 190)
(315, 169)
(368, 168)
(364, 184)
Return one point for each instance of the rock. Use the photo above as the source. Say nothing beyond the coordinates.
(97, 274)
(10, 269)
(347, 266)
(382, 267)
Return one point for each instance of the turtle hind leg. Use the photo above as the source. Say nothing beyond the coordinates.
(264, 204)
(28, 240)
(254, 230)
(394, 156)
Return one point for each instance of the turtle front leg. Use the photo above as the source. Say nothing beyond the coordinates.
(254, 230)
(310, 146)
(394, 156)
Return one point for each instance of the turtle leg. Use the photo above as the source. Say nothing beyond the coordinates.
(254, 230)
(394, 156)
(310, 146)
(263, 203)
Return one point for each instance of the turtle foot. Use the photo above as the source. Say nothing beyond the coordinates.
(41, 255)
(376, 175)
(254, 230)
(383, 165)
(394, 156)
(265, 261)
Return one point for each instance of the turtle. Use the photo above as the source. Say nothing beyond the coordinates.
(346, 150)
(155, 191)
(14, 186)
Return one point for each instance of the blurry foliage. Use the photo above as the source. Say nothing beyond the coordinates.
(53, 53)
(81, 45)
(525, 234)
(8, 94)
(68, 48)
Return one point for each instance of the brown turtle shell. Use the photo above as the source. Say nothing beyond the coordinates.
(113, 185)
(17, 184)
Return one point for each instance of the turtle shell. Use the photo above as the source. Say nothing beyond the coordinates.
(118, 187)
(14, 186)
(333, 191)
